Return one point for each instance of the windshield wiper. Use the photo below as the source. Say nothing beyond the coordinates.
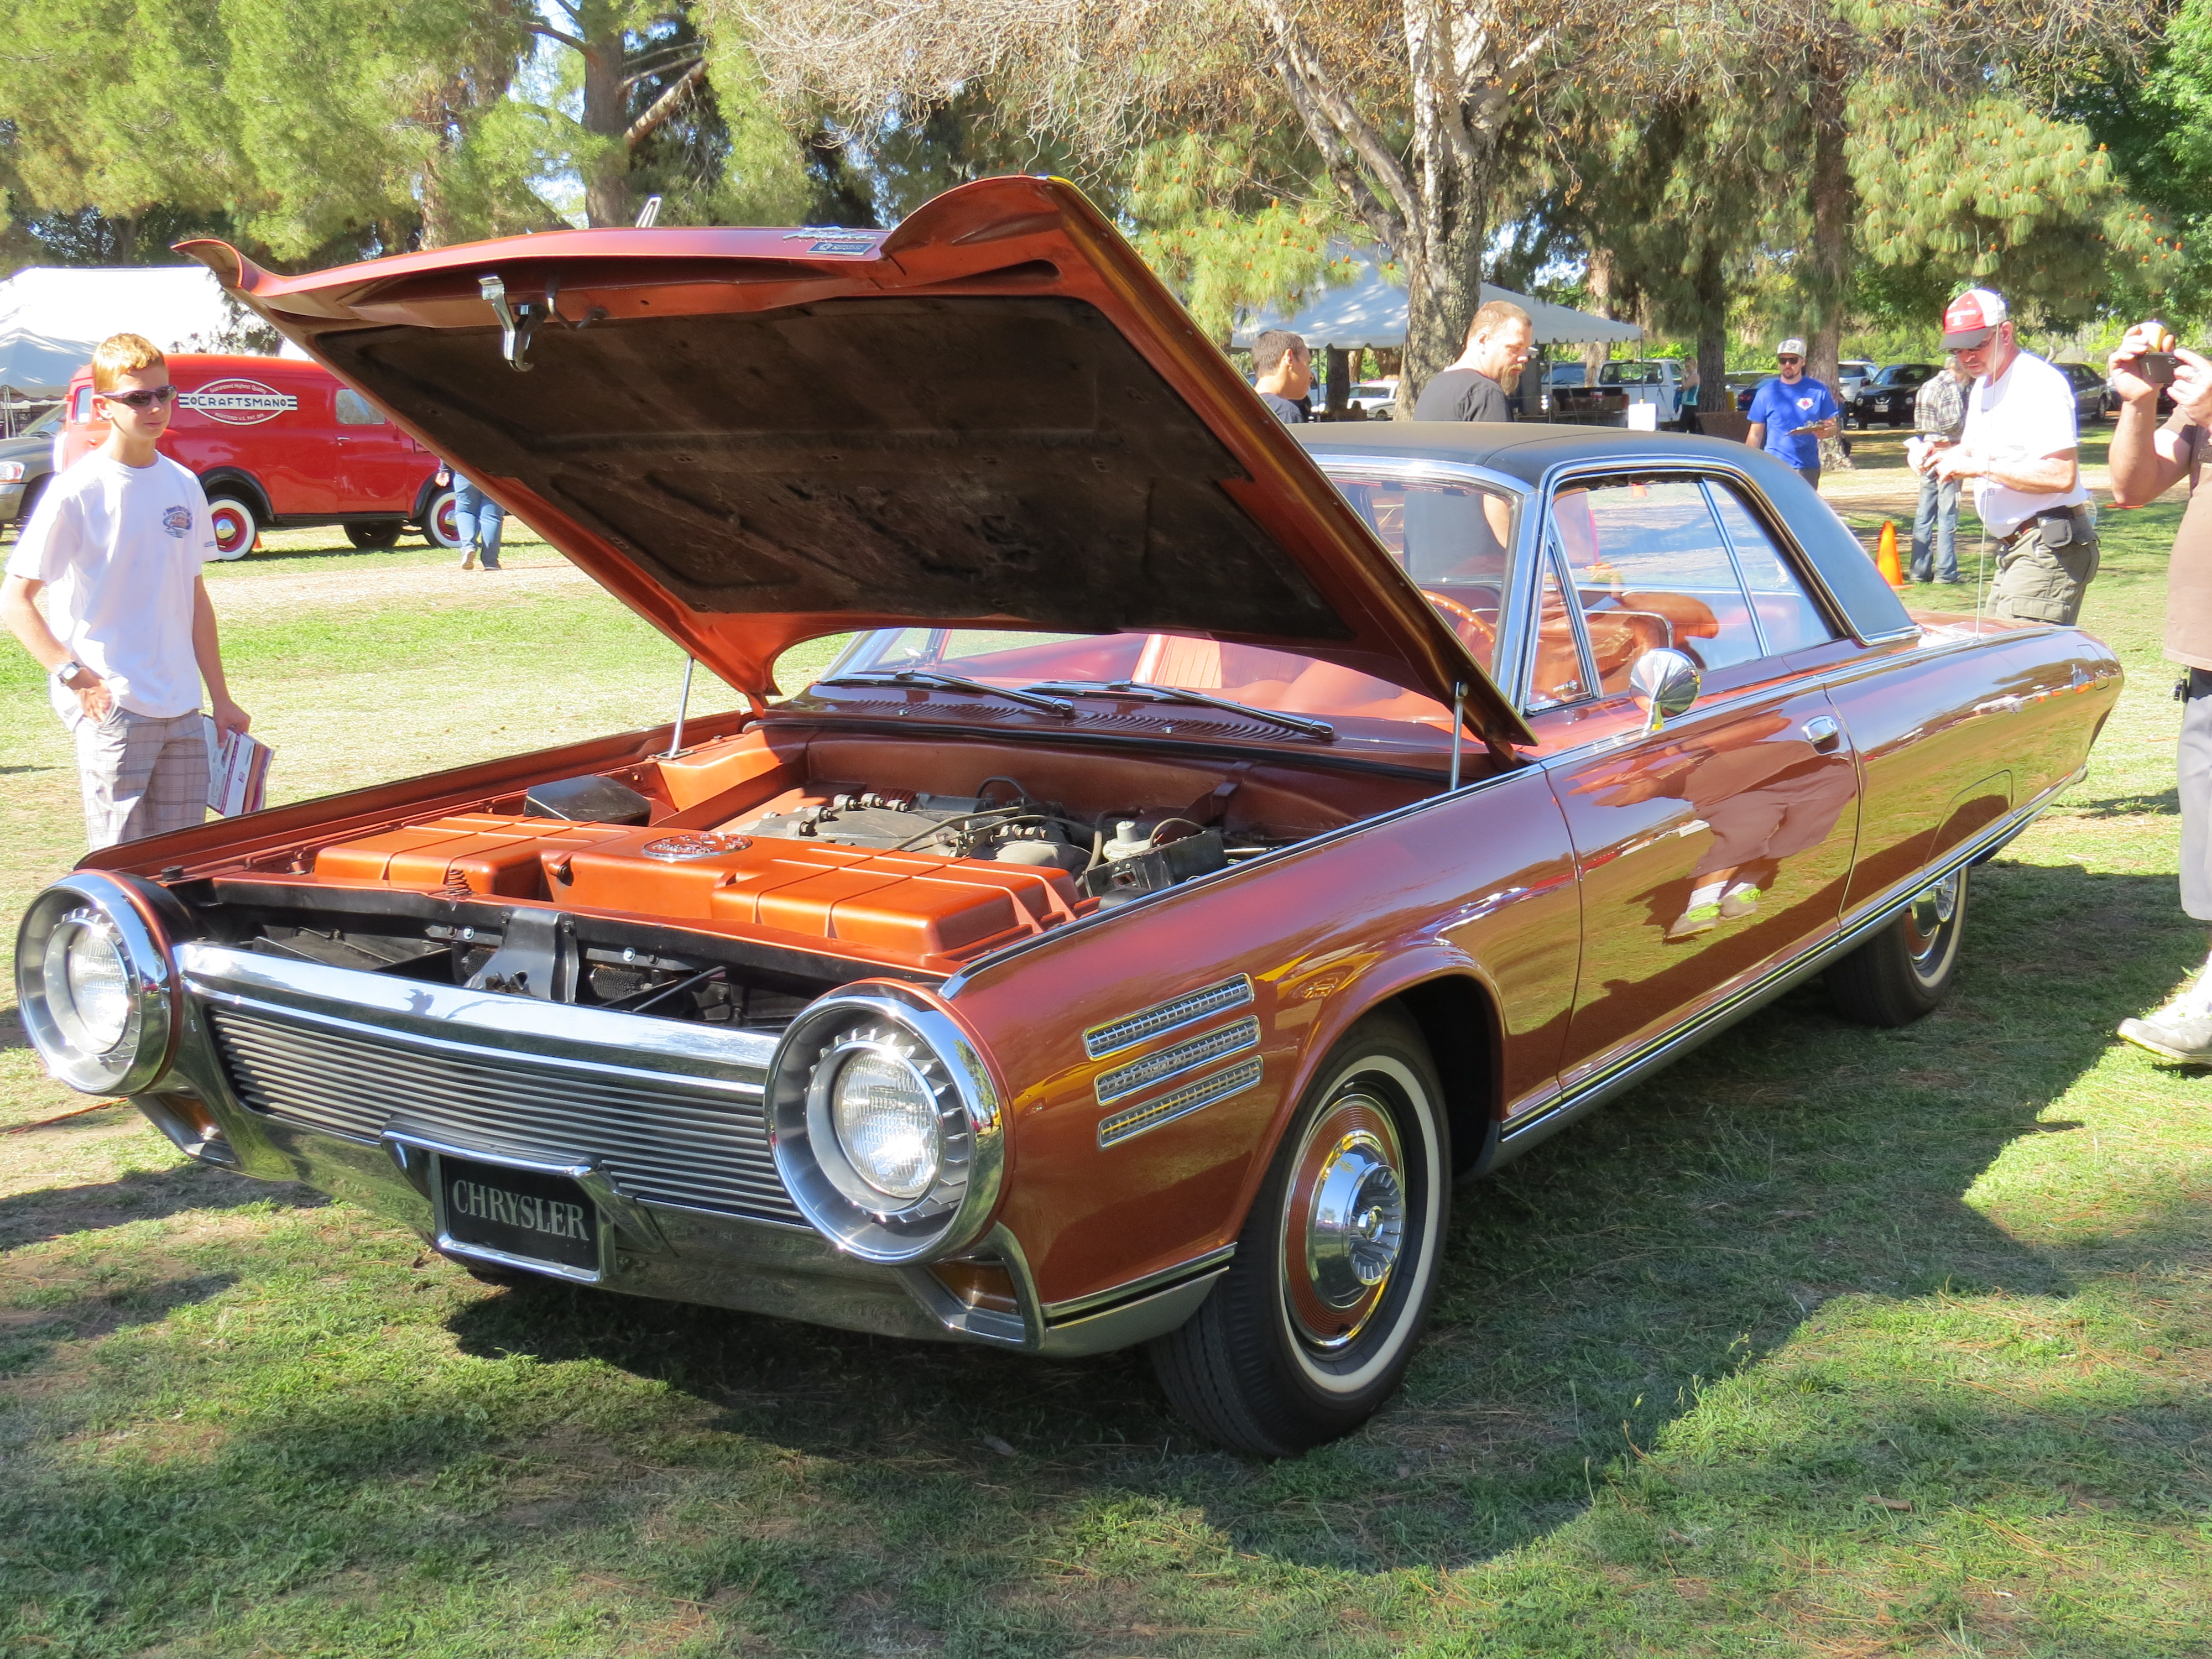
(934, 681)
(1152, 693)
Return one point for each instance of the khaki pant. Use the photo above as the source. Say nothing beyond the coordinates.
(2038, 582)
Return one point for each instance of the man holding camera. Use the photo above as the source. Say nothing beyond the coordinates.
(2148, 457)
(2019, 448)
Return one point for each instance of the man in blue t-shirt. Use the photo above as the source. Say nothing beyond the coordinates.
(1792, 412)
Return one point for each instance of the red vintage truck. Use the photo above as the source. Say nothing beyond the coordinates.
(277, 442)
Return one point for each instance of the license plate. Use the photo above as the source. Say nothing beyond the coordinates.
(524, 1213)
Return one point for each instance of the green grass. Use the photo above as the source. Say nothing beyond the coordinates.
(1828, 1342)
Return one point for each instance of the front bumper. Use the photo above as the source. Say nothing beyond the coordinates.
(350, 1082)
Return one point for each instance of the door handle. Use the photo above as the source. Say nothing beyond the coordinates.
(1824, 734)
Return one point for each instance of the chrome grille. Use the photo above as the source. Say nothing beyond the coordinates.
(664, 1138)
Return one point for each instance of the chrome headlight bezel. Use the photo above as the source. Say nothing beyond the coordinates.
(829, 1191)
(95, 902)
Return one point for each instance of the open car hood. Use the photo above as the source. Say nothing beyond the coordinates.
(994, 416)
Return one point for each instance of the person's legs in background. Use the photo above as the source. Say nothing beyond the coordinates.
(491, 522)
(1924, 527)
(1811, 475)
(2182, 1029)
(468, 500)
(1946, 531)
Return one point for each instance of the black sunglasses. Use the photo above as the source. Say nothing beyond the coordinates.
(143, 399)
(1789, 360)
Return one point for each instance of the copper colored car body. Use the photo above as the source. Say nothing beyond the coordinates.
(1123, 942)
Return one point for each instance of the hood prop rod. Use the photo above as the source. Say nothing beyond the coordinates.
(682, 708)
(1459, 724)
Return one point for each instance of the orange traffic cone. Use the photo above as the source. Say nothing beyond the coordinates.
(1885, 554)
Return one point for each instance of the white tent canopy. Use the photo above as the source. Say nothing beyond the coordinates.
(1371, 311)
(52, 317)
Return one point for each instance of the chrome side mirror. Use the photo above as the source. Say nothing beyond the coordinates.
(1668, 682)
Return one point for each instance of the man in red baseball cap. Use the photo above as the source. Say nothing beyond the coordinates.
(2019, 448)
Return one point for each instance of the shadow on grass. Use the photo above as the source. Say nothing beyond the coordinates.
(2166, 803)
(1595, 1294)
(145, 1195)
(28, 1334)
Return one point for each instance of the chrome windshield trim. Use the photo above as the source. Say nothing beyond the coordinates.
(408, 1007)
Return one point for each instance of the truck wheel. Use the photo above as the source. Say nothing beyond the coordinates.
(439, 527)
(1906, 968)
(235, 530)
(1312, 1327)
(378, 533)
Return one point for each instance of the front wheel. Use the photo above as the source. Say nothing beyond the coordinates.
(236, 528)
(373, 535)
(1312, 1327)
(1906, 968)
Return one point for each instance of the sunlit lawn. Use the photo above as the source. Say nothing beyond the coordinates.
(1830, 1342)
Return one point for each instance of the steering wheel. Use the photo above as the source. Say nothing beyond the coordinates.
(1478, 636)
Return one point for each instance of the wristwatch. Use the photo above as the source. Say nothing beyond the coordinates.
(71, 671)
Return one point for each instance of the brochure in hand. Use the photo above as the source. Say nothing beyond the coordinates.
(238, 772)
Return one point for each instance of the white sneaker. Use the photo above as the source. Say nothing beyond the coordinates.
(2182, 1029)
(468, 557)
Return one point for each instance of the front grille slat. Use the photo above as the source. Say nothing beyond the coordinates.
(664, 1137)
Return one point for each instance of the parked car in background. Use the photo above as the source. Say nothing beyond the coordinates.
(278, 441)
(1888, 396)
(1216, 843)
(1376, 399)
(1743, 384)
(1657, 381)
(1851, 376)
(26, 461)
(2091, 391)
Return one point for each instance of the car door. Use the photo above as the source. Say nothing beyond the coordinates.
(379, 467)
(1719, 845)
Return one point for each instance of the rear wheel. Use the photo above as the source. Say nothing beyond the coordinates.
(1312, 1327)
(1905, 969)
(376, 533)
(440, 526)
(236, 528)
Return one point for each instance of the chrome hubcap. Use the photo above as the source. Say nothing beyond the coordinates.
(1346, 1225)
(1931, 912)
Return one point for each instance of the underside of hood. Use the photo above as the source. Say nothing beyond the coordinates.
(995, 416)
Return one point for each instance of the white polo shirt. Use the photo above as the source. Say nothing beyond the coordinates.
(2026, 414)
(118, 548)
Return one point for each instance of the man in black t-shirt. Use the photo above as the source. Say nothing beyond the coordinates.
(1474, 387)
(1283, 371)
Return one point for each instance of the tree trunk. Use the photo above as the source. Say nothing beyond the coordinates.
(606, 173)
(1828, 253)
(1599, 279)
(1340, 381)
(1713, 394)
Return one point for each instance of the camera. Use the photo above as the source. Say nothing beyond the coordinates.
(2156, 367)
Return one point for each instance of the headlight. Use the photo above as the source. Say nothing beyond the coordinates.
(93, 981)
(11, 473)
(885, 1125)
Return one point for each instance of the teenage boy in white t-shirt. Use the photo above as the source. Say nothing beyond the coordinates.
(2021, 447)
(116, 546)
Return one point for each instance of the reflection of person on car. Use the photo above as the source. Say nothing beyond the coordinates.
(1765, 800)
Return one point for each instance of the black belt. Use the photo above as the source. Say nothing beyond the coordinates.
(2079, 513)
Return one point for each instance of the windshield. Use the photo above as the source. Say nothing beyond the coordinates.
(1453, 538)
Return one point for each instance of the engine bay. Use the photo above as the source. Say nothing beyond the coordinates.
(734, 881)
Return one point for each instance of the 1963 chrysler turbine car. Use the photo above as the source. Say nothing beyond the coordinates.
(1123, 942)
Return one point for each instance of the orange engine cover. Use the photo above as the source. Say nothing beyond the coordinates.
(914, 905)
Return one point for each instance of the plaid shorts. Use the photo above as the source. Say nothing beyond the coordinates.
(142, 776)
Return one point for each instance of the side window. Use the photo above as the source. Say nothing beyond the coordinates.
(354, 410)
(1652, 570)
(81, 413)
(1787, 615)
(1557, 676)
(1453, 540)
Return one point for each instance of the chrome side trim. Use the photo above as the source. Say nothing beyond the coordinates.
(485, 1018)
(1076, 1306)
(1183, 1057)
(1146, 1023)
(1191, 1097)
(1131, 1323)
(1877, 913)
